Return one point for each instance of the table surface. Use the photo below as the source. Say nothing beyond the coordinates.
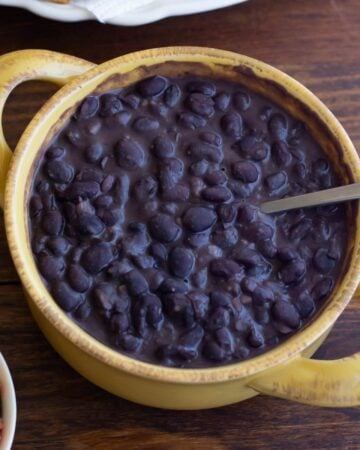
(317, 42)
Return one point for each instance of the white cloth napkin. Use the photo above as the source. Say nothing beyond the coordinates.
(104, 10)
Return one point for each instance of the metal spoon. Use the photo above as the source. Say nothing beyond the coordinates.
(334, 195)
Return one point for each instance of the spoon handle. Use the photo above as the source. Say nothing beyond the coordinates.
(334, 195)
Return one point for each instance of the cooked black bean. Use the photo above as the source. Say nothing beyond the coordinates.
(280, 154)
(204, 87)
(225, 268)
(51, 267)
(66, 298)
(278, 127)
(286, 313)
(129, 154)
(96, 258)
(293, 272)
(242, 100)
(276, 181)
(78, 279)
(232, 125)
(88, 107)
(146, 225)
(216, 194)
(163, 228)
(198, 151)
(198, 218)
(145, 124)
(52, 223)
(222, 101)
(200, 104)
(181, 261)
(245, 171)
(252, 147)
(59, 171)
(152, 86)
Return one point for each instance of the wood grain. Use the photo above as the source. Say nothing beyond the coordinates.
(317, 42)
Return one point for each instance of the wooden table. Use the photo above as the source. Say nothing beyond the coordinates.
(317, 42)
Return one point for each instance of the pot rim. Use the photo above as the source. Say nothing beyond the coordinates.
(15, 218)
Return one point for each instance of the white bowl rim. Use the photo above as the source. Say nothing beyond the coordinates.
(9, 409)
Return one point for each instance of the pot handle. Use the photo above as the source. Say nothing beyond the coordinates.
(23, 65)
(315, 382)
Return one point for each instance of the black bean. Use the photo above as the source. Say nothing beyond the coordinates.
(286, 254)
(122, 118)
(280, 154)
(322, 288)
(203, 87)
(242, 100)
(143, 261)
(129, 154)
(129, 342)
(211, 138)
(154, 315)
(293, 272)
(35, 206)
(248, 285)
(222, 101)
(181, 261)
(297, 153)
(162, 147)
(145, 188)
(145, 124)
(213, 351)
(305, 304)
(261, 296)
(172, 95)
(83, 189)
(198, 151)
(136, 283)
(220, 298)
(225, 238)
(58, 245)
(200, 104)
(267, 248)
(254, 148)
(251, 259)
(190, 341)
(245, 171)
(78, 279)
(103, 201)
(216, 194)
(132, 100)
(215, 178)
(112, 216)
(191, 121)
(89, 224)
(90, 174)
(122, 185)
(94, 152)
(225, 268)
(119, 322)
(55, 152)
(225, 339)
(173, 286)
(107, 184)
(278, 127)
(152, 86)
(119, 268)
(199, 279)
(96, 258)
(159, 252)
(109, 105)
(322, 261)
(300, 229)
(232, 125)
(93, 126)
(88, 107)
(287, 313)
(59, 171)
(218, 318)
(104, 296)
(163, 228)
(178, 193)
(76, 137)
(50, 266)
(170, 172)
(276, 181)
(180, 309)
(255, 338)
(200, 303)
(226, 213)
(65, 297)
(52, 223)
(198, 218)
(199, 168)
(258, 231)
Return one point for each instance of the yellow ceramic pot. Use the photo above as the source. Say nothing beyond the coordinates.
(285, 371)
